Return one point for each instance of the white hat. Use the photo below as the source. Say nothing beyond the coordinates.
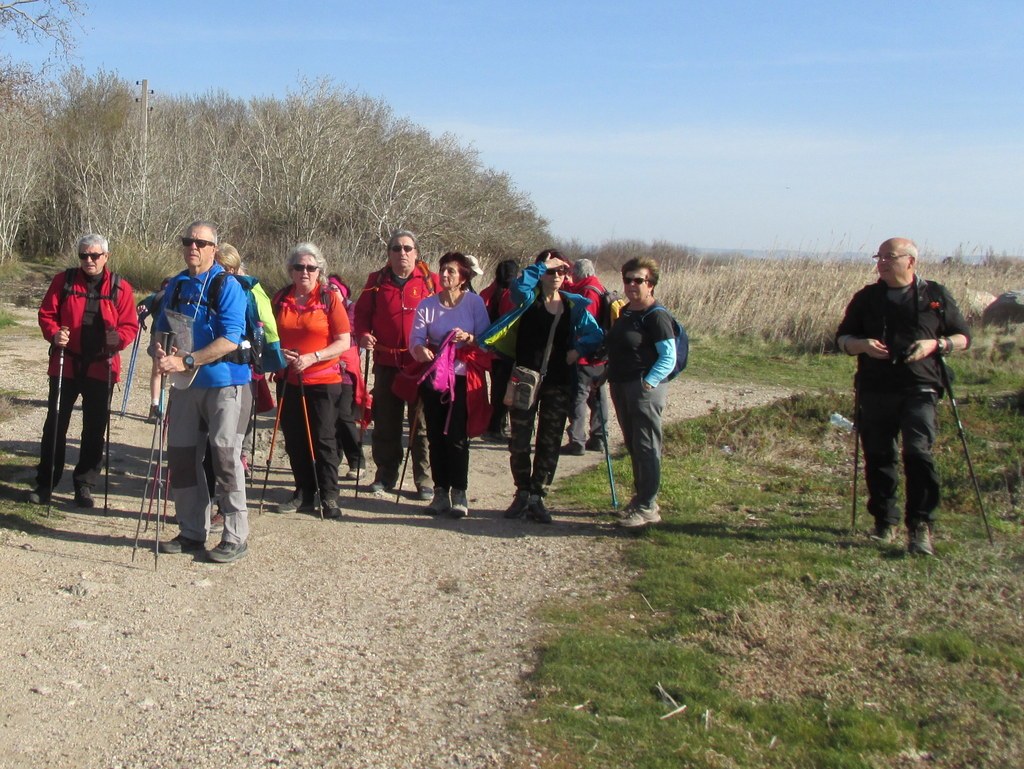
(474, 265)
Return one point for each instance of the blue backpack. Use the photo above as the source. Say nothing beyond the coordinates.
(682, 342)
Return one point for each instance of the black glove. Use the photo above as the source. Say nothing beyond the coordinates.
(112, 341)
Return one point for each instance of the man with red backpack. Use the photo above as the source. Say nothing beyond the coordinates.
(384, 315)
(88, 315)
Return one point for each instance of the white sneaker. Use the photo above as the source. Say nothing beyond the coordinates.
(640, 517)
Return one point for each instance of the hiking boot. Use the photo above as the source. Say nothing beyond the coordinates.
(331, 509)
(884, 533)
(181, 544)
(519, 504)
(226, 552)
(217, 523)
(595, 443)
(919, 540)
(296, 504)
(39, 496)
(379, 487)
(640, 517)
(441, 503)
(246, 466)
(425, 493)
(537, 511)
(572, 449)
(352, 475)
(495, 436)
(460, 505)
(83, 497)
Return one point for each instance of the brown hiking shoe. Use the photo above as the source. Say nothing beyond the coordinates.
(919, 540)
(884, 533)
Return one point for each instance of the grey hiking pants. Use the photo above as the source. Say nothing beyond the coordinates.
(639, 414)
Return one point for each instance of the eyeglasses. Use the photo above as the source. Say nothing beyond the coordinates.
(557, 271)
(635, 281)
(890, 257)
(197, 242)
(305, 267)
(400, 247)
(93, 257)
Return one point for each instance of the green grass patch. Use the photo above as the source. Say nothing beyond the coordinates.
(792, 641)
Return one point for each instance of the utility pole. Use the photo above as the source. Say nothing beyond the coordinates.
(143, 157)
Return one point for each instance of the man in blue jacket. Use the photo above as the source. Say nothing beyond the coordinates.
(210, 395)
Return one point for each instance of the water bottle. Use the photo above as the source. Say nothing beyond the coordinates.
(838, 420)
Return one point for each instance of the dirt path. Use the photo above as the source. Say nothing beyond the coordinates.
(386, 639)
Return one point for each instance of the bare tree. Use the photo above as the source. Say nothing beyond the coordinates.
(41, 21)
(22, 147)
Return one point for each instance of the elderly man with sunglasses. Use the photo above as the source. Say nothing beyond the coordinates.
(897, 328)
(201, 321)
(88, 315)
(384, 315)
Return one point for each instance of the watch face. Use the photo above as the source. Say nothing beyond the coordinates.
(189, 361)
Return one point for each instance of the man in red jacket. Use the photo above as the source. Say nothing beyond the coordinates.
(88, 314)
(383, 322)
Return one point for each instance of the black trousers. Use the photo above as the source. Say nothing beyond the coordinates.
(321, 406)
(347, 430)
(885, 417)
(95, 406)
(449, 453)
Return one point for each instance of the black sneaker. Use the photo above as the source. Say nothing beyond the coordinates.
(226, 552)
(296, 504)
(331, 509)
(572, 449)
(181, 544)
(519, 504)
(537, 511)
(39, 496)
(595, 443)
(83, 497)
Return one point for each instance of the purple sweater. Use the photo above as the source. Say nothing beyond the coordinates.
(433, 321)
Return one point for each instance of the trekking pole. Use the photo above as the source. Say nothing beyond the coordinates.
(273, 438)
(318, 499)
(106, 441)
(607, 450)
(856, 454)
(56, 426)
(963, 440)
(131, 370)
(413, 427)
(159, 429)
(365, 418)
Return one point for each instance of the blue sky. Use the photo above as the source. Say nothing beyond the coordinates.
(823, 126)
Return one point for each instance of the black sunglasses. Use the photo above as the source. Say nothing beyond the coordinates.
(305, 267)
(400, 247)
(557, 271)
(93, 257)
(635, 281)
(197, 242)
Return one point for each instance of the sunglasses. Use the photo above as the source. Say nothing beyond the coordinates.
(635, 281)
(400, 247)
(197, 242)
(305, 267)
(93, 257)
(557, 271)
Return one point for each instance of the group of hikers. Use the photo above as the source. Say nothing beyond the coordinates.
(539, 349)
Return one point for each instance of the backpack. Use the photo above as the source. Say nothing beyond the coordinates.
(250, 350)
(605, 300)
(681, 339)
(69, 287)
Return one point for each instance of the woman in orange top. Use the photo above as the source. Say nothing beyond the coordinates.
(315, 331)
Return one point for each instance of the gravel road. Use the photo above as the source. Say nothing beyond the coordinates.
(386, 639)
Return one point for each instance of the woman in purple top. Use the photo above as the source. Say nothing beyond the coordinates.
(456, 308)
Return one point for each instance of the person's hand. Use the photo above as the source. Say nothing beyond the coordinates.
(422, 353)
(463, 336)
(873, 348)
(169, 363)
(112, 340)
(367, 341)
(62, 337)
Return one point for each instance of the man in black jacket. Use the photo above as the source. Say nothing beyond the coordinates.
(897, 328)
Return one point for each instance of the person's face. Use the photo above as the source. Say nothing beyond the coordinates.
(894, 263)
(451, 278)
(200, 247)
(305, 273)
(636, 285)
(555, 274)
(402, 255)
(92, 259)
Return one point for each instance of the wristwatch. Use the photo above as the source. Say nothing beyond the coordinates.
(189, 361)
